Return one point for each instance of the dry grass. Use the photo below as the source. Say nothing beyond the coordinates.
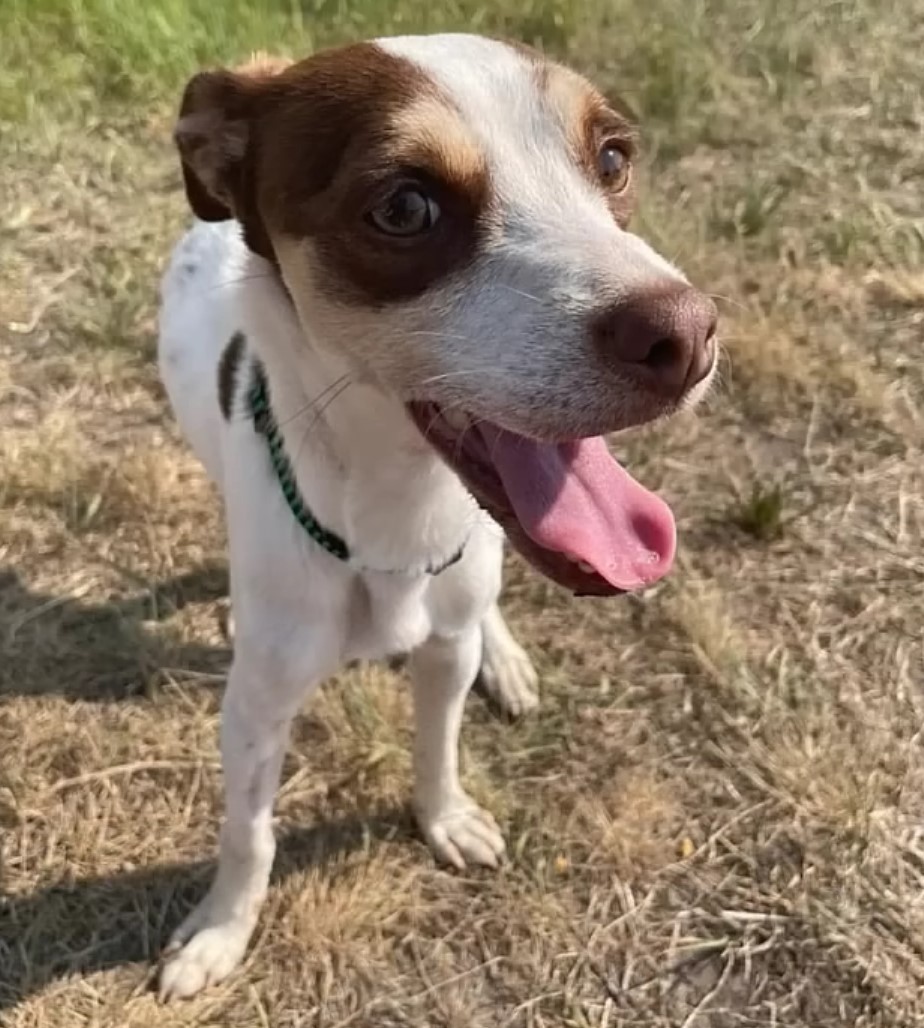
(716, 818)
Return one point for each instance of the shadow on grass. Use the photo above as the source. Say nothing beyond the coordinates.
(110, 651)
(101, 651)
(110, 921)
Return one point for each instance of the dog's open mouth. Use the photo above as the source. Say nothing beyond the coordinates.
(569, 508)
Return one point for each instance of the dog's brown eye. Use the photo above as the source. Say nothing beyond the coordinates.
(407, 212)
(614, 166)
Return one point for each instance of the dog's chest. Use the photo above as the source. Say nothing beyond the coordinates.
(388, 614)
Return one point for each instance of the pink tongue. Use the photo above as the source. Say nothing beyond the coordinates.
(574, 498)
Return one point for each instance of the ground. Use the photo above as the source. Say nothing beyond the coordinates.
(715, 817)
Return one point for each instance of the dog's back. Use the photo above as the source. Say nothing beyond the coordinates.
(197, 324)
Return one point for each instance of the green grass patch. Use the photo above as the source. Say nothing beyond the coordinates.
(106, 52)
(761, 513)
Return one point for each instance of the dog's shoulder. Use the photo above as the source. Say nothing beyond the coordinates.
(206, 254)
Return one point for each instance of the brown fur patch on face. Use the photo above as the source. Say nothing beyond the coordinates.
(376, 123)
(311, 149)
(432, 134)
(428, 147)
(589, 122)
(228, 368)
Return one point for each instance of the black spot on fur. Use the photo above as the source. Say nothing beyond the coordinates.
(227, 372)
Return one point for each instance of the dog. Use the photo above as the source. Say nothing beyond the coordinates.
(408, 311)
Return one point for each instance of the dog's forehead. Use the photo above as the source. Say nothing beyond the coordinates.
(475, 70)
(526, 115)
(506, 94)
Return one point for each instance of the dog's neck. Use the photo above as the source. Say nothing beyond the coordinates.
(361, 465)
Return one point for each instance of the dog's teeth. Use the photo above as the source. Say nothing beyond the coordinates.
(585, 567)
(456, 419)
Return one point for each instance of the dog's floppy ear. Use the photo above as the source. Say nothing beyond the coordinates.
(214, 137)
(212, 134)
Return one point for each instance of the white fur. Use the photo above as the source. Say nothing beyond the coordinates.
(299, 613)
(508, 338)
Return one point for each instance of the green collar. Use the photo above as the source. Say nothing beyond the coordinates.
(264, 423)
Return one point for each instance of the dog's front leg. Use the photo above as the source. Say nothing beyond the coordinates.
(255, 719)
(456, 828)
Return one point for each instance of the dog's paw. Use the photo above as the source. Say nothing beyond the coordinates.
(508, 677)
(201, 954)
(464, 835)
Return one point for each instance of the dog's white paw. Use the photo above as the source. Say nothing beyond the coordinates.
(465, 834)
(509, 678)
(201, 954)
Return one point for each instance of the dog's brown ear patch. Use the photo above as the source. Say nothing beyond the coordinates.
(212, 144)
(213, 136)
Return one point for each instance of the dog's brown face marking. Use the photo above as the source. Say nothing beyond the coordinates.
(320, 149)
(420, 167)
(602, 139)
(228, 368)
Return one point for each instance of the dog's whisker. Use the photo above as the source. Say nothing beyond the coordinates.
(472, 423)
(430, 333)
(313, 402)
(520, 292)
(314, 421)
(447, 375)
(320, 413)
(731, 300)
(227, 283)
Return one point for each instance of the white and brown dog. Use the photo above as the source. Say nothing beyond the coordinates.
(419, 311)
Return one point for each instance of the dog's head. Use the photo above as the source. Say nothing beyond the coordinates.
(450, 213)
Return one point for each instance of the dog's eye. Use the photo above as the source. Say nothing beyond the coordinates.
(407, 212)
(614, 165)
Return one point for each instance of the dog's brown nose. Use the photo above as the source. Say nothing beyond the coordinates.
(662, 338)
